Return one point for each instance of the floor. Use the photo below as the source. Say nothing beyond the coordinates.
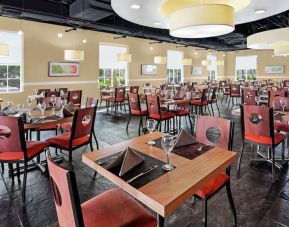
(258, 201)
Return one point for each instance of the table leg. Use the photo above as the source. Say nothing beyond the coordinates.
(38, 139)
(161, 221)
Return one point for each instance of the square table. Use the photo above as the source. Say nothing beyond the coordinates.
(168, 192)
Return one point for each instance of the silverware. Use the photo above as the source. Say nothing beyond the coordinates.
(107, 161)
(141, 174)
(201, 148)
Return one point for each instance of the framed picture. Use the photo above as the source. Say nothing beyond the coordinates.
(59, 69)
(196, 70)
(278, 69)
(148, 69)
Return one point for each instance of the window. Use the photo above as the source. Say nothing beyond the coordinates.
(111, 71)
(212, 67)
(11, 76)
(246, 67)
(175, 66)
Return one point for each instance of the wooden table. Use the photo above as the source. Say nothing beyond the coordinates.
(170, 191)
(174, 101)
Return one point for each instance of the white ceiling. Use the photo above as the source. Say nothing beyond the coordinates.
(149, 13)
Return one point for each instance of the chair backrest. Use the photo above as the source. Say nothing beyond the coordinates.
(222, 83)
(75, 97)
(134, 89)
(257, 121)
(272, 94)
(153, 104)
(235, 89)
(44, 91)
(65, 193)
(63, 90)
(119, 92)
(47, 100)
(214, 94)
(205, 95)
(15, 142)
(91, 102)
(214, 131)
(79, 129)
(134, 102)
(50, 93)
(286, 83)
(275, 103)
(249, 96)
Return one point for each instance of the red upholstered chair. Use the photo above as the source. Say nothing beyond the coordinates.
(135, 110)
(118, 99)
(183, 110)
(203, 101)
(258, 128)
(249, 96)
(134, 89)
(224, 130)
(213, 100)
(112, 208)
(272, 94)
(155, 112)
(43, 91)
(15, 149)
(235, 93)
(75, 97)
(80, 135)
(63, 90)
(285, 83)
(50, 93)
(90, 102)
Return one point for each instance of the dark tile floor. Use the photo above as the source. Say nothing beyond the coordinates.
(258, 201)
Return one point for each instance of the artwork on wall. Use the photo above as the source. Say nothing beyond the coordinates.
(148, 69)
(274, 69)
(196, 70)
(59, 69)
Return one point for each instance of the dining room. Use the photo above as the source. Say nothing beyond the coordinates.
(144, 113)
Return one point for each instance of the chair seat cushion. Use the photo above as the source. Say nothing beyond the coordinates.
(114, 208)
(235, 95)
(139, 112)
(181, 112)
(213, 185)
(62, 141)
(115, 99)
(278, 138)
(281, 127)
(163, 116)
(68, 125)
(33, 148)
(212, 101)
(198, 102)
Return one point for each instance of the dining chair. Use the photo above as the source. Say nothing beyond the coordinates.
(135, 110)
(105, 94)
(43, 91)
(67, 126)
(50, 93)
(15, 149)
(182, 110)
(118, 99)
(202, 102)
(249, 96)
(257, 124)
(213, 100)
(134, 89)
(80, 134)
(235, 93)
(272, 94)
(155, 112)
(222, 130)
(112, 208)
(75, 97)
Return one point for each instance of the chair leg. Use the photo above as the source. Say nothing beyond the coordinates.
(273, 163)
(240, 157)
(90, 144)
(283, 150)
(24, 183)
(128, 123)
(191, 124)
(2, 167)
(212, 109)
(205, 212)
(70, 158)
(18, 170)
(218, 109)
(96, 141)
(232, 205)
(10, 166)
(140, 125)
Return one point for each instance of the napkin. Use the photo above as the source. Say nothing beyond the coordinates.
(127, 160)
(185, 138)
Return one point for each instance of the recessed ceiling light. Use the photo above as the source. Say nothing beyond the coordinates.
(260, 11)
(20, 32)
(59, 35)
(151, 48)
(196, 52)
(84, 41)
(135, 6)
(157, 23)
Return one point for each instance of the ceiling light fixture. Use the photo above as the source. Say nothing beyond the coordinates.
(157, 23)
(73, 55)
(4, 50)
(135, 6)
(187, 61)
(124, 57)
(84, 41)
(260, 11)
(60, 35)
(160, 60)
(20, 32)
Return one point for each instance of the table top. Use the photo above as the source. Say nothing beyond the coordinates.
(171, 190)
(175, 102)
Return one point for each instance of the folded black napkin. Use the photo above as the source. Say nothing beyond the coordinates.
(127, 160)
(185, 138)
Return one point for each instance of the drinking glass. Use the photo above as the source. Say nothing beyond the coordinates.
(20, 108)
(168, 142)
(283, 103)
(53, 101)
(42, 107)
(10, 107)
(29, 102)
(151, 125)
(36, 91)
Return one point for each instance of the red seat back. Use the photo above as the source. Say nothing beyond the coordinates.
(134, 89)
(276, 102)
(119, 92)
(153, 104)
(249, 96)
(65, 193)
(235, 89)
(134, 102)
(44, 91)
(47, 100)
(222, 126)
(50, 93)
(75, 97)
(205, 95)
(91, 102)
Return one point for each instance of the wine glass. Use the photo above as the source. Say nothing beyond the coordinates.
(10, 107)
(20, 108)
(168, 142)
(42, 107)
(36, 91)
(29, 102)
(53, 101)
(151, 125)
(283, 103)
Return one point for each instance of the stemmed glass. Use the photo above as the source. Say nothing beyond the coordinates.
(42, 107)
(168, 142)
(29, 102)
(151, 125)
(283, 103)
(36, 91)
(53, 101)
(10, 107)
(20, 108)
